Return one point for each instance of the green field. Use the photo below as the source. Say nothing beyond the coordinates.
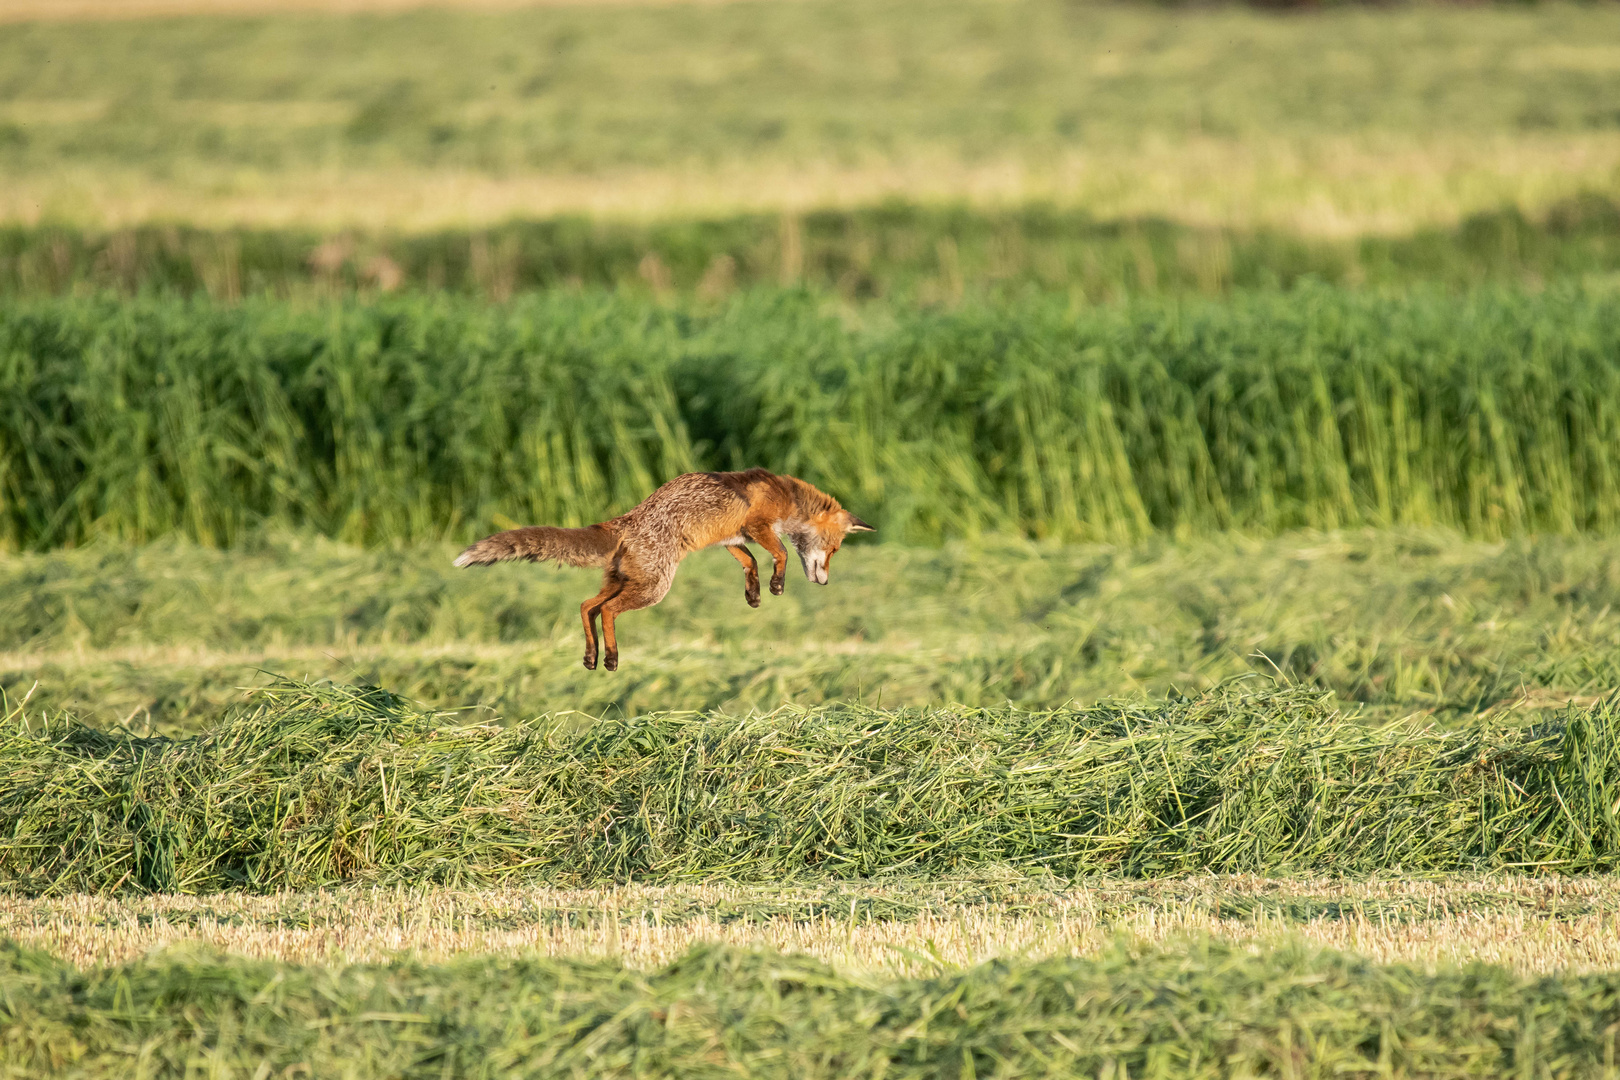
(1349, 120)
(1228, 690)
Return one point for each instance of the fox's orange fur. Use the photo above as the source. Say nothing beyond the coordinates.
(639, 551)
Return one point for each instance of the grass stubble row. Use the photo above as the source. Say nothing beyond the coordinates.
(426, 418)
(315, 785)
(1532, 924)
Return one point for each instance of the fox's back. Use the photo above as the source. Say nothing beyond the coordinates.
(695, 510)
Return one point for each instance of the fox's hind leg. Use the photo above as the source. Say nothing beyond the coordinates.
(637, 593)
(612, 585)
(767, 539)
(741, 553)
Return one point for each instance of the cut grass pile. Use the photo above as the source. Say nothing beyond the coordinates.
(163, 637)
(1533, 925)
(315, 785)
(419, 418)
(1199, 1009)
(897, 251)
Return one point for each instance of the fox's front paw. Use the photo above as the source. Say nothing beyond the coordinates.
(611, 661)
(777, 584)
(590, 661)
(752, 596)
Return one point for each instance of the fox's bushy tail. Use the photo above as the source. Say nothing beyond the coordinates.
(591, 546)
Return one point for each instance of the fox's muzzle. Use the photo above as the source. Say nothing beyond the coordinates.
(815, 566)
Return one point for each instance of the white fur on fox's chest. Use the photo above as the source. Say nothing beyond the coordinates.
(812, 553)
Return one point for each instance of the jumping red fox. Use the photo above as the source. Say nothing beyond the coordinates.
(639, 551)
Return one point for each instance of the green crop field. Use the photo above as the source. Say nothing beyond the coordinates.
(1231, 687)
(421, 418)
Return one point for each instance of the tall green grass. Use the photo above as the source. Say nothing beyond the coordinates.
(1495, 413)
(1201, 1010)
(316, 785)
(895, 251)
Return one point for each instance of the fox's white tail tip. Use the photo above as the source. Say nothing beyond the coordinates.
(464, 559)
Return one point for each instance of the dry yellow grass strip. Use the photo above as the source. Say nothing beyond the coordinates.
(1534, 926)
(1323, 187)
(42, 10)
(257, 662)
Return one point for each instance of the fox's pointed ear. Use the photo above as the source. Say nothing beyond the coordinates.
(855, 524)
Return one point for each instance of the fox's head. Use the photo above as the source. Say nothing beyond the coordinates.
(820, 539)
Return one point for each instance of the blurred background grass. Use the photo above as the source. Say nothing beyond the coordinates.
(902, 252)
(1344, 121)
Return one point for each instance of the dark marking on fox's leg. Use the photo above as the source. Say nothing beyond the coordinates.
(766, 538)
(741, 553)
